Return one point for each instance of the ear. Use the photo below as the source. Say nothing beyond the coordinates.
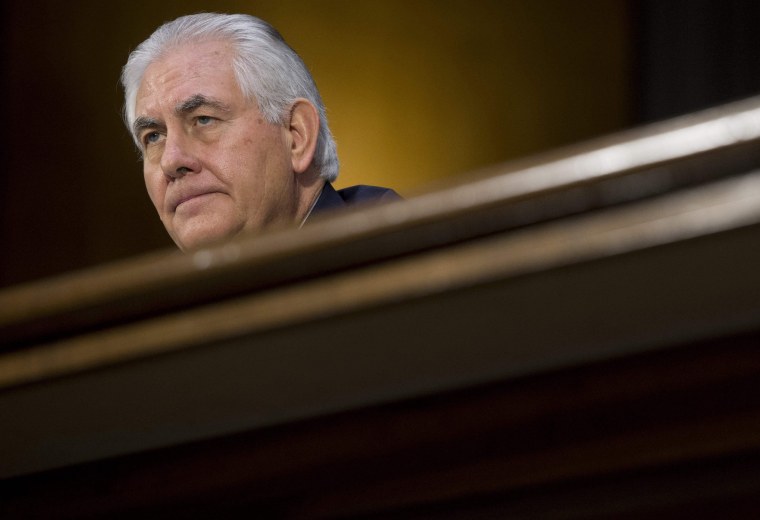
(303, 129)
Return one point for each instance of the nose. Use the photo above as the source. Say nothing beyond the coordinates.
(178, 157)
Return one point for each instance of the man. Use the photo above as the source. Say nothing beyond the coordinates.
(232, 130)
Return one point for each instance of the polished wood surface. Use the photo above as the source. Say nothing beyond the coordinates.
(572, 336)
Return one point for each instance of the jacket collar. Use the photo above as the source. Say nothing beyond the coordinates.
(329, 199)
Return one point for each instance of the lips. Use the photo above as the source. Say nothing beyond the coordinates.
(175, 199)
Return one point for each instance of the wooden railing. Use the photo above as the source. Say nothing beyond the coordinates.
(575, 332)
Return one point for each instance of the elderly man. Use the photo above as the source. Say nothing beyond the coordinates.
(232, 130)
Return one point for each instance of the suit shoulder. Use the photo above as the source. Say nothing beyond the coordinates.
(365, 193)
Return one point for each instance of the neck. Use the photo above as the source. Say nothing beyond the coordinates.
(308, 196)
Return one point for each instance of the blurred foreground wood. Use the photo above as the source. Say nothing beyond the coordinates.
(571, 336)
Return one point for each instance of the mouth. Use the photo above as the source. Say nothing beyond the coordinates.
(190, 198)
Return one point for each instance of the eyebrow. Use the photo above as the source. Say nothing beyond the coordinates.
(144, 123)
(187, 106)
(197, 101)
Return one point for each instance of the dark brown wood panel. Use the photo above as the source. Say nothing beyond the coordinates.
(571, 338)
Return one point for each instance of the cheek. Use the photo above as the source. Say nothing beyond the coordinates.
(155, 187)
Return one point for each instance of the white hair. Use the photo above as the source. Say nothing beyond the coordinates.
(267, 70)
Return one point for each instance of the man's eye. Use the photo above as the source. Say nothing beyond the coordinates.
(204, 120)
(151, 137)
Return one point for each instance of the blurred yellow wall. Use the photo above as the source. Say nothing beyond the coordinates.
(419, 90)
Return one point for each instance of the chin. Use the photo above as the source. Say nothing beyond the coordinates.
(198, 239)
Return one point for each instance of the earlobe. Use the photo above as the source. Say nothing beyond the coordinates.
(303, 128)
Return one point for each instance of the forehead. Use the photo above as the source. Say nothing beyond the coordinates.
(188, 70)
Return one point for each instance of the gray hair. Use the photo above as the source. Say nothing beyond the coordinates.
(267, 70)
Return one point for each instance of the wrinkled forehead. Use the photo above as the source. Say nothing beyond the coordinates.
(186, 70)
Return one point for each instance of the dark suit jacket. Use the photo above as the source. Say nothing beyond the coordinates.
(332, 199)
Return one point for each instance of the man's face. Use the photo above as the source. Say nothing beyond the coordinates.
(213, 165)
